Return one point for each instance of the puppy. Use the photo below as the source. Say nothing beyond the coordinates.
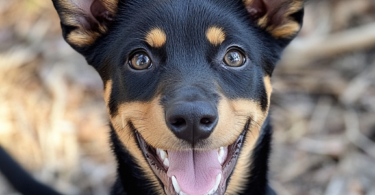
(187, 87)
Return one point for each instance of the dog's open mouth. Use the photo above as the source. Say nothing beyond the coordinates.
(193, 172)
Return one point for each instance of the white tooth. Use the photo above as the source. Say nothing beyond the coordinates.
(182, 193)
(217, 182)
(158, 151)
(166, 162)
(221, 155)
(175, 184)
(210, 192)
(162, 154)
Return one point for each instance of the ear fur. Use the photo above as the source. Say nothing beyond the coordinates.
(281, 18)
(83, 21)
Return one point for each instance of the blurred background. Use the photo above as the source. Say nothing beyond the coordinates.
(53, 118)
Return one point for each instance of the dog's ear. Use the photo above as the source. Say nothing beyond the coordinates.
(84, 21)
(281, 18)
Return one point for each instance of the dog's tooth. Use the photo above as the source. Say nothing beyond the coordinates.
(216, 186)
(175, 185)
(162, 154)
(210, 192)
(166, 162)
(217, 182)
(220, 155)
(182, 193)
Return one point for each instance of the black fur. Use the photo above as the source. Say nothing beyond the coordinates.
(20, 179)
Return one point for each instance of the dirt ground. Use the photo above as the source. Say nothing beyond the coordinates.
(53, 118)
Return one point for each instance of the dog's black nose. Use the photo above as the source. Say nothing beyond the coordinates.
(192, 120)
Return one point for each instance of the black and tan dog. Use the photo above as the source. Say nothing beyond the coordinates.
(187, 87)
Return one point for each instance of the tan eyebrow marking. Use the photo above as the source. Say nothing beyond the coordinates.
(215, 35)
(156, 37)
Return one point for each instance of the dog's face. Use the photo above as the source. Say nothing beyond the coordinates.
(187, 83)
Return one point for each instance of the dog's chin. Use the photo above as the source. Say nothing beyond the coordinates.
(193, 172)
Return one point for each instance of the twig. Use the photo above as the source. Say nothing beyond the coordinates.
(354, 135)
(303, 51)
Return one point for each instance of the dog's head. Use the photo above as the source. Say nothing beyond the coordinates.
(187, 82)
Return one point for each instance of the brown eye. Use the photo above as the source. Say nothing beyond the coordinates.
(234, 58)
(140, 61)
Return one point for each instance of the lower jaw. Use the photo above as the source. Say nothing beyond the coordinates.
(160, 169)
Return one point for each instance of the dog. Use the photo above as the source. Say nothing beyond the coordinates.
(187, 84)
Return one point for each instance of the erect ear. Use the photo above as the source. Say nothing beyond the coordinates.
(84, 21)
(281, 18)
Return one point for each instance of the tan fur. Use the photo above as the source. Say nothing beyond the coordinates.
(148, 119)
(82, 37)
(242, 169)
(136, 112)
(247, 2)
(288, 27)
(233, 115)
(268, 86)
(215, 35)
(126, 135)
(156, 37)
(287, 30)
(107, 91)
(262, 22)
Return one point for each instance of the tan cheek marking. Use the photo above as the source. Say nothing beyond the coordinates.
(107, 91)
(148, 119)
(243, 166)
(156, 37)
(253, 110)
(141, 115)
(242, 169)
(268, 86)
(233, 115)
(128, 139)
(215, 35)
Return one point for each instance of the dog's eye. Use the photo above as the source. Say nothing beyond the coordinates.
(140, 61)
(234, 58)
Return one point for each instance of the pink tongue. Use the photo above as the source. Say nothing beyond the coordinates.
(195, 171)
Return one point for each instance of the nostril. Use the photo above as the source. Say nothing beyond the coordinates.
(178, 122)
(206, 121)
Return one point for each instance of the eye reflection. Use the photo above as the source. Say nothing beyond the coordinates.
(234, 58)
(140, 61)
